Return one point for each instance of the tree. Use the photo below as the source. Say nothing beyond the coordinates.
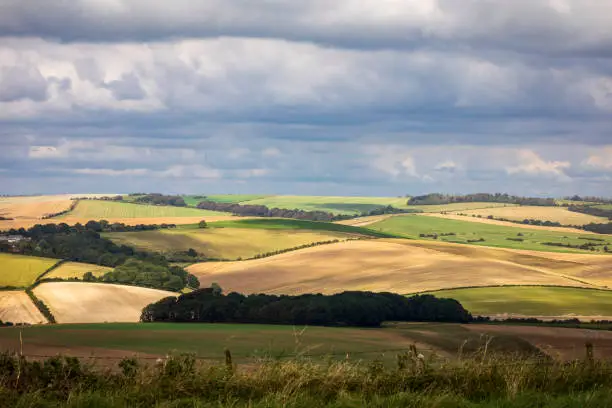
(192, 252)
(216, 289)
(202, 224)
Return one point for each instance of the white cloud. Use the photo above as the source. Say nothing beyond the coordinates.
(248, 173)
(448, 166)
(113, 172)
(530, 163)
(601, 160)
(44, 152)
(190, 171)
(271, 152)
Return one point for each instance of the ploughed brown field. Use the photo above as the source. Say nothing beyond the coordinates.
(403, 266)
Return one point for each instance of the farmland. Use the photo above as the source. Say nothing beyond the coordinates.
(399, 266)
(100, 210)
(223, 198)
(238, 238)
(81, 302)
(534, 301)
(69, 270)
(16, 307)
(247, 341)
(555, 214)
(412, 226)
(22, 271)
(336, 205)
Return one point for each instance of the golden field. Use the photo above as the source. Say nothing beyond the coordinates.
(80, 302)
(403, 266)
(555, 214)
(69, 270)
(17, 307)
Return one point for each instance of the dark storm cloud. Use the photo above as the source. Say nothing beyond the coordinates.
(315, 97)
(539, 26)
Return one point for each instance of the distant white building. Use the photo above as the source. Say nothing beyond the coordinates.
(12, 239)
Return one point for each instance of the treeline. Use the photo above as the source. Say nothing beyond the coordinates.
(440, 199)
(161, 199)
(588, 199)
(599, 228)
(359, 309)
(83, 243)
(105, 198)
(591, 210)
(57, 214)
(97, 226)
(263, 211)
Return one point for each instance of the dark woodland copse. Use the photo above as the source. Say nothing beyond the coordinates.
(440, 199)
(591, 210)
(161, 199)
(361, 309)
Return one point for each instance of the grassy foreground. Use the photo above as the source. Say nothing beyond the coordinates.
(532, 300)
(411, 226)
(179, 381)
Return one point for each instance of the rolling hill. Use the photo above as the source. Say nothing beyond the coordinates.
(79, 302)
(488, 234)
(399, 266)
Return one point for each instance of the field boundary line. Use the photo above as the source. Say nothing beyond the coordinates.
(506, 286)
(49, 270)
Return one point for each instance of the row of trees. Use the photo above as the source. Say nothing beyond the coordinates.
(440, 199)
(591, 210)
(40, 230)
(263, 211)
(361, 309)
(161, 199)
(589, 199)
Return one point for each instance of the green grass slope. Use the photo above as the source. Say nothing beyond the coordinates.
(97, 210)
(21, 270)
(532, 300)
(411, 226)
(336, 205)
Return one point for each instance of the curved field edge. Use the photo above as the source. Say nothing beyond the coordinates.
(546, 301)
(20, 271)
(481, 234)
(80, 302)
(402, 266)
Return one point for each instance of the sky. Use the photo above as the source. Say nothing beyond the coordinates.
(313, 97)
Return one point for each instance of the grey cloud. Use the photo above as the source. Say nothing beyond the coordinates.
(538, 26)
(128, 87)
(22, 82)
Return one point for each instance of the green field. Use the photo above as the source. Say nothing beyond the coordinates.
(238, 239)
(245, 341)
(532, 300)
(411, 226)
(98, 210)
(336, 205)
(223, 198)
(21, 270)
(604, 206)
(69, 270)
